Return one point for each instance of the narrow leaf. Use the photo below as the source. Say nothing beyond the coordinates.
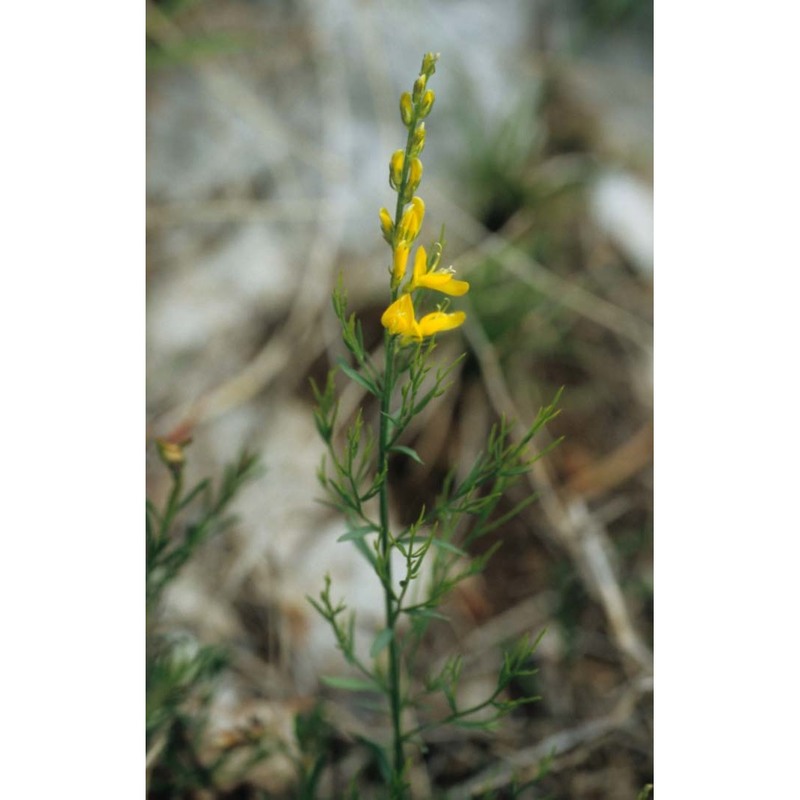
(410, 452)
(350, 684)
(451, 548)
(204, 484)
(426, 613)
(381, 640)
(357, 533)
(358, 377)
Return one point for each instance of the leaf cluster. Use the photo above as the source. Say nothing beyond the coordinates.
(365, 373)
(516, 664)
(169, 545)
(179, 672)
(440, 537)
(343, 627)
(464, 510)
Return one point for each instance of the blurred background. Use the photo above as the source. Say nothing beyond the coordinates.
(269, 129)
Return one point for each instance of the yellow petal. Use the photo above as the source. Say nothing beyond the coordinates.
(440, 321)
(415, 173)
(455, 288)
(426, 104)
(399, 317)
(441, 282)
(400, 261)
(396, 168)
(387, 226)
(406, 109)
(411, 220)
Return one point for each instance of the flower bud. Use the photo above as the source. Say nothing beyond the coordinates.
(429, 63)
(387, 226)
(406, 108)
(172, 454)
(426, 104)
(418, 139)
(411, 220)
(400, 262)
(419, 87)
(396, 169)
(414, 176)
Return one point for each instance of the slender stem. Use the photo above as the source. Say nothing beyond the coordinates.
(398, 214)
(391, 610)
(398, 785)
(172, 504)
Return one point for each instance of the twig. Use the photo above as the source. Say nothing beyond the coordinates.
(584, 537)
(524, 764)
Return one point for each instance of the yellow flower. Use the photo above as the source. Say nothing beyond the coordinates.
(436, 279)
(411, 221)
(399, 319)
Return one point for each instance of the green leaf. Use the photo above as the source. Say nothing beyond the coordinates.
(381, 641)
(427, 613)
(410, 452)
(358, 377)
(379, 755)
(202, 486)
(350, 684)
(357, 533)
(451, 548)
(508, 516)
(365, 551)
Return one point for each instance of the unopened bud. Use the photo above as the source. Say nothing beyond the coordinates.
(429, 63)
(396, 169)
(419, 87)
(387, 226)
(426, 104)
(171, 454)
(411, 221)
(400, 262)
(406, 108)
(414, 176)
(418, 139)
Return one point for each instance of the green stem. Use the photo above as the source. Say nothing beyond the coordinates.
(172, 504)
(398, 785)
(398, 214)
(392, 611)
